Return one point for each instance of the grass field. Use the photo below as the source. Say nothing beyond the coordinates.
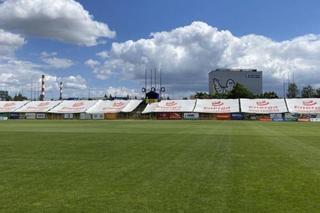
(159, 166)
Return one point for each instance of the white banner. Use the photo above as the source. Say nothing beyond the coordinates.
(217, 106)
(263, 106)
(11, 106)
(131, 106)
(38, 106)
(175, 106)
(315, 119)
(150, 108)
(304, 106)
(72, 107)
(115, 106)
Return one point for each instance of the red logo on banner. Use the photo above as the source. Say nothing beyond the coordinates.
(118, 104)
(217, 103)
(262, 103)
(309, 103)
(43, 104)
(78, 104)
(9, 104)
(171, 103)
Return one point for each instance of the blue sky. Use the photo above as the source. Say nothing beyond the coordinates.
(133, 20)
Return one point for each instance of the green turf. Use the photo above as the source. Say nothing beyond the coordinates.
(159, 166)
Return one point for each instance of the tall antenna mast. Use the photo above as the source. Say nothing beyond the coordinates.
(145, 79)
(42, 88)
(155, 78)
(61, 89)
(151, 79)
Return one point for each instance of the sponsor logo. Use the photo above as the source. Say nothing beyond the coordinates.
(171, 104)
(78, 104)
(9, 105)
(217, 103)
(43, 104)
(262, 103)
(118, 104)
(309, 103)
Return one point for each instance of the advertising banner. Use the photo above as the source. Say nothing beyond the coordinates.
(115, 106)
(191, 116)
(73, 107)
(263, 106)
(174, 106)
(304, 106)
(11, 106)
(217, 106)
(38, 106)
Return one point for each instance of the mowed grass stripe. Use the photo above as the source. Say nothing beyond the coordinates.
(158, 166)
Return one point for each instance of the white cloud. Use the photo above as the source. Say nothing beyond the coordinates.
(9, 43)
(20, 76)
(122, 92)
(92, 63)
(187, 54)
(103, 54)
(74, 83)
(63, 20)
(55, 62)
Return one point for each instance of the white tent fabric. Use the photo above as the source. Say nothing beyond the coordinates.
(115, 106)
(131, 106)
(263, 106)
(72, 107)
(11, 106)
(304, 106)
(217, 106)
(172, 106)
(150, 108)
(38, 106)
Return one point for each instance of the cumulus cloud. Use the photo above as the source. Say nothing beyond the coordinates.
(63, 20)
(103, 54)
(187, 54)
(24, 76)
(55, 62)
(9, 43)
(122, 92)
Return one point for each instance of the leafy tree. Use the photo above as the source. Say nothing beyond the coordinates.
(270, 95)
(239, 91)
(317, 93)
(292, 90)
(8, 98)
(308, 92)
(19, 97)
(202, 95)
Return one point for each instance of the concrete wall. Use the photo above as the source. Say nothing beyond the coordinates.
(223, 80)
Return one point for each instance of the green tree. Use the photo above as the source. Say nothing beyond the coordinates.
(9, 98)
(202, 95)
(270, 95)
(308, 92)
(318, 93)
(292, 90)
(19, 97)
(239, 91)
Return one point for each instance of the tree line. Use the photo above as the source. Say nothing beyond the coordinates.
(240, 91)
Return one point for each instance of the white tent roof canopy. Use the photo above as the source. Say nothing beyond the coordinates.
(38, 106)
(172, 106)
(115, 106)
(263, 106)
(73, 107)
(304, 106)
(150, 108)
(217, 106)
(11, 106)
